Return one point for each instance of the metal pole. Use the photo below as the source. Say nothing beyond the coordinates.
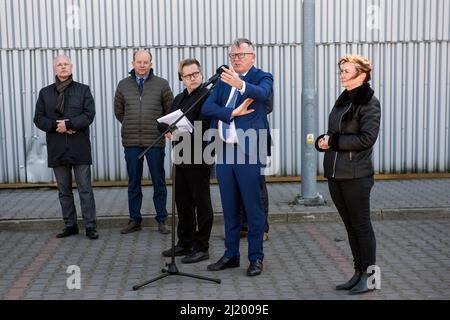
(309, 194)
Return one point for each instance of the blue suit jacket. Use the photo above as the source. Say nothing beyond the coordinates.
(259, 87)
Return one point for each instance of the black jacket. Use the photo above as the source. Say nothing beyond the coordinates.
(353, 127)
(184, 101)
(79, 108)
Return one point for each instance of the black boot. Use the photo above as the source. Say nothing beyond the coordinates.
(361, 286)
(350, 283)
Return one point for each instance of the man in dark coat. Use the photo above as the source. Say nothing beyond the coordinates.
(65, 110)
(192, 189)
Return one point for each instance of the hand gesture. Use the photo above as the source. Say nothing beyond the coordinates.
(61, 126)
(230, 77)
(323, 142)
(242, 109)
(168, 135)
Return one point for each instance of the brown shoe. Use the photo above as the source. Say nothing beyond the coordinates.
(162, 228)
(244, 231)
(131, 227)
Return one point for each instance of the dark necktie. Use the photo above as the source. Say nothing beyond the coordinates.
(141, 84)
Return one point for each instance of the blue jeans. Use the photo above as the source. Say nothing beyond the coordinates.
(155, 162)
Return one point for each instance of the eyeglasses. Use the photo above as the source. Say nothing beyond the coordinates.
(191, 76)
(239, 55)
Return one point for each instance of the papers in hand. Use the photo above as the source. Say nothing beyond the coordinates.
(183, 125)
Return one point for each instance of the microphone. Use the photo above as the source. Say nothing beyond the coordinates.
(215, 77)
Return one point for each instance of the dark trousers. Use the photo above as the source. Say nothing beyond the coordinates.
(265, 204)
(82, 174)
(195, 213)
(352, 200)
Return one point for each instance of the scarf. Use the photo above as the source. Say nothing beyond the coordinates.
(358, 96)
(60, 87)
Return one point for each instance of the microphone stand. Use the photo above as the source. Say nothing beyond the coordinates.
(172, 267)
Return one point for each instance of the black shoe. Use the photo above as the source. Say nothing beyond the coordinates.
(224, 263)
(131, 227)
(162, 228)
(91, 233)
(179, 251)
(255, 268)
(361, 286)
(196, 256)
(350, 283)
(68, 231)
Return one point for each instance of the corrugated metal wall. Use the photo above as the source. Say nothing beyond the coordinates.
(409, 45)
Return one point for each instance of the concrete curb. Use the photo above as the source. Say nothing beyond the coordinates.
(310, 214)
(415, 213)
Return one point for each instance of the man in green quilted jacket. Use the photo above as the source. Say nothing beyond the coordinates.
(140, 99)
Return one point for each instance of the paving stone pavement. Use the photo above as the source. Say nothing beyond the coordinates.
(306, 256)
(417, 198)
(302, 261)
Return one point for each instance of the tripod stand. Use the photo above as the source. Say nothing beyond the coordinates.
(172, 267)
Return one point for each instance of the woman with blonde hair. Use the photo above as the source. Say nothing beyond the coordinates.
(353, 127)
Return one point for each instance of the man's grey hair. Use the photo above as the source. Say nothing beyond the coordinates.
(60, 57)
(238, 42)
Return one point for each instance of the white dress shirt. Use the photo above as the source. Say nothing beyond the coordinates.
(232, 134)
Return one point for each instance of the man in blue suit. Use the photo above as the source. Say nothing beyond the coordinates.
(237, 107)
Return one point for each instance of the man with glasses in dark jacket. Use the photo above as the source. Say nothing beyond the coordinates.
(65, 110)
(192, 189)
(237, 108)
